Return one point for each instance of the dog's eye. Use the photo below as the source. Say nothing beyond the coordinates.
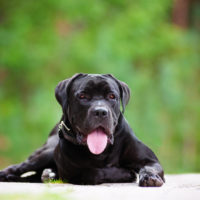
(111, 96)
(83, 96)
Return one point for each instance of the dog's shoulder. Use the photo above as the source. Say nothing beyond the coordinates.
(126, 138)
(124, 130)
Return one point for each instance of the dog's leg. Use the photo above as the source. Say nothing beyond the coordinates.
(41, 159)
(37, 162)
(142, 160)
(95, 176)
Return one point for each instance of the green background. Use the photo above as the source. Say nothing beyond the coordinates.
(44, 42)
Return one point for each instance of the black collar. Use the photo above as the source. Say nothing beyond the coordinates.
(66, 132)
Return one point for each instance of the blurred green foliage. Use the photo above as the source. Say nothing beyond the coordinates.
(43, 42)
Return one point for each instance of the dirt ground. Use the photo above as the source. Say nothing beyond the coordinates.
(184, 187)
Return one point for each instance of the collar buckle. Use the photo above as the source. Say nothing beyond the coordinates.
(65, 132)
(61, 125)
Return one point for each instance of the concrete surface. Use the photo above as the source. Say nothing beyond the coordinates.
(184, 187)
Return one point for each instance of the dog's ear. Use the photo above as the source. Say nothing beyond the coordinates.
(125, 94)
(61, 90)
(124, 91)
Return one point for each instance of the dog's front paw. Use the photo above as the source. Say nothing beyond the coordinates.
(48, 175)
(150, 180)
(5, 176)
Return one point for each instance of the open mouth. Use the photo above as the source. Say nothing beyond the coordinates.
(97, 140)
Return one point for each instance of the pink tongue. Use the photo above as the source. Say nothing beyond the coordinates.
(97, 141)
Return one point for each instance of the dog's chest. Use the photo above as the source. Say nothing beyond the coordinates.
(80, 156)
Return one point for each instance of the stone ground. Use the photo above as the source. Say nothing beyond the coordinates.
(184, 187)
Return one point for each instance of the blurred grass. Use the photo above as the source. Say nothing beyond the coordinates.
(43, 42)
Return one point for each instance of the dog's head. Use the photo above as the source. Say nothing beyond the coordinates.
(91, 105)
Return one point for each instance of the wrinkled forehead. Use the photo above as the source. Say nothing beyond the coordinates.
(95, 83)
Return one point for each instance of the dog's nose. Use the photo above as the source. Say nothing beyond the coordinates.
(100, 112)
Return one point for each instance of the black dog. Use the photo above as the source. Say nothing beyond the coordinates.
(93, 143)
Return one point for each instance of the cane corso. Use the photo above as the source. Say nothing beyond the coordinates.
(92, 143)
